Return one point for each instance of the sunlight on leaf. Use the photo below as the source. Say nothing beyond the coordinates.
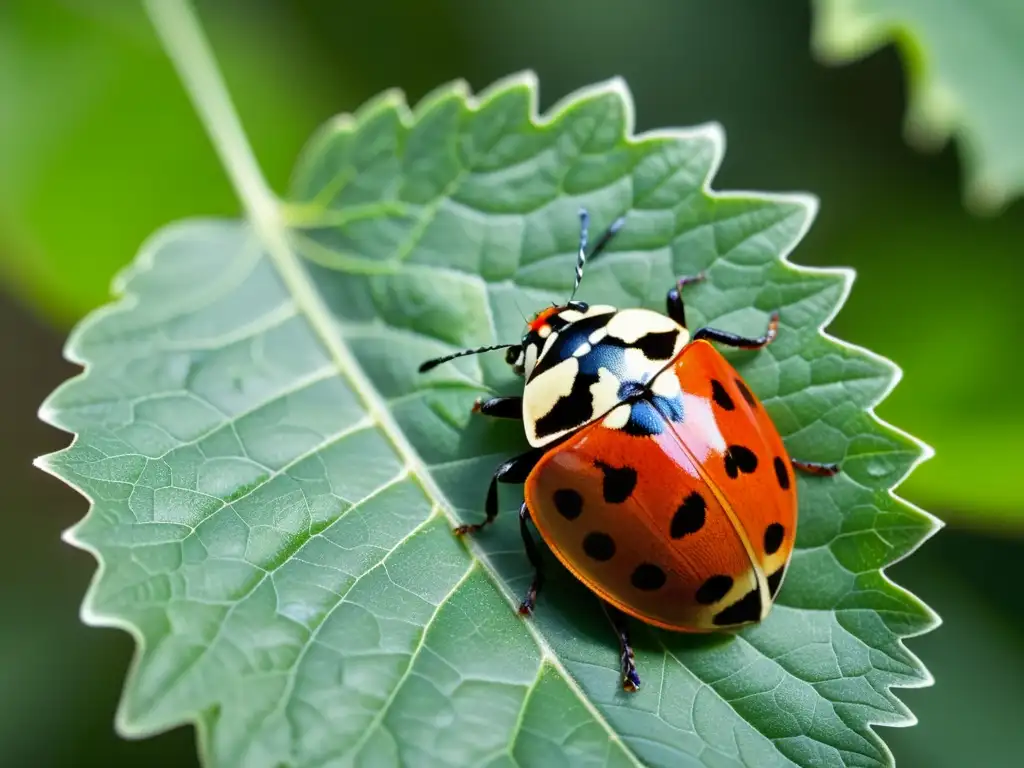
(273, 485)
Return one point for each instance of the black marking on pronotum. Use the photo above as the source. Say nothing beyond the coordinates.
(570, 410)
(573, 336)
(744, 610)
(657, 345)
(619, 482)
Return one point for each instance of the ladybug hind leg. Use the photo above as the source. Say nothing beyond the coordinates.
(815, 468)
(630, 677)
(533, 554)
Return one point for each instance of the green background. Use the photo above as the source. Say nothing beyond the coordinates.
(99, 147)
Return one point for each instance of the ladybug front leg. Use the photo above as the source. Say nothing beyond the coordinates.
(500, 407)
(512, 471)
(533, 555)
(630, 677)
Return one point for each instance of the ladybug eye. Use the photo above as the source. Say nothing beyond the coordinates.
(579, 306)
(512, 354)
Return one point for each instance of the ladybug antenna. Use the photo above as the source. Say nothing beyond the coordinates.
(581, 257)
(438, 360)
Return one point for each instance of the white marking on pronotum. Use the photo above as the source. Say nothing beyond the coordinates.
(604, 392)
(632, 324)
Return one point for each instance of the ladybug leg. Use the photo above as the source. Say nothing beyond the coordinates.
(533, 554)
(816, 468)
(512, 471)
(743, 342)
(674, 307)
(500, 407)
(630, 677)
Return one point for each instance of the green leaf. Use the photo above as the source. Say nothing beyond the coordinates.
(964, 62)
(273, 485)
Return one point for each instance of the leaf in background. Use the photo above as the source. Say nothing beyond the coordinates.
(273, 485)
(964, 62)
(98, 145)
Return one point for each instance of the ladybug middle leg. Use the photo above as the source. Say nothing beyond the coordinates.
(515, 471)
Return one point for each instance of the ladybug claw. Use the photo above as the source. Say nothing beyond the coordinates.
(682, 282)
(462, 530)
(631, 681)
(525, 609)
(476, 405)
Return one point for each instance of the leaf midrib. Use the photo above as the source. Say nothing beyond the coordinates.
(188, 49)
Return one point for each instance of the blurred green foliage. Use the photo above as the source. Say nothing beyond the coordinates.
(99, 147)
(964, 62)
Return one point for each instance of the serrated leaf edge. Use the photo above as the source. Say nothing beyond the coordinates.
(348, 368)
(841, 34)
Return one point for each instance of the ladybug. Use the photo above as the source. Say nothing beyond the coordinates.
(655, 475)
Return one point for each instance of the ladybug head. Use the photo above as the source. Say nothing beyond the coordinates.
(542, 330)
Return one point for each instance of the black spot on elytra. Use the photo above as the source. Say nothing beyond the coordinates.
(746, 393)
(619, 482)
(775, 580)
(773, 536)
(599, 546)
(657, 345)
(720, 396)
(648, 577)
(738, 459)
(689, 517)
(714, 589)
(746, 609)
(781, 473)
(568, 503)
